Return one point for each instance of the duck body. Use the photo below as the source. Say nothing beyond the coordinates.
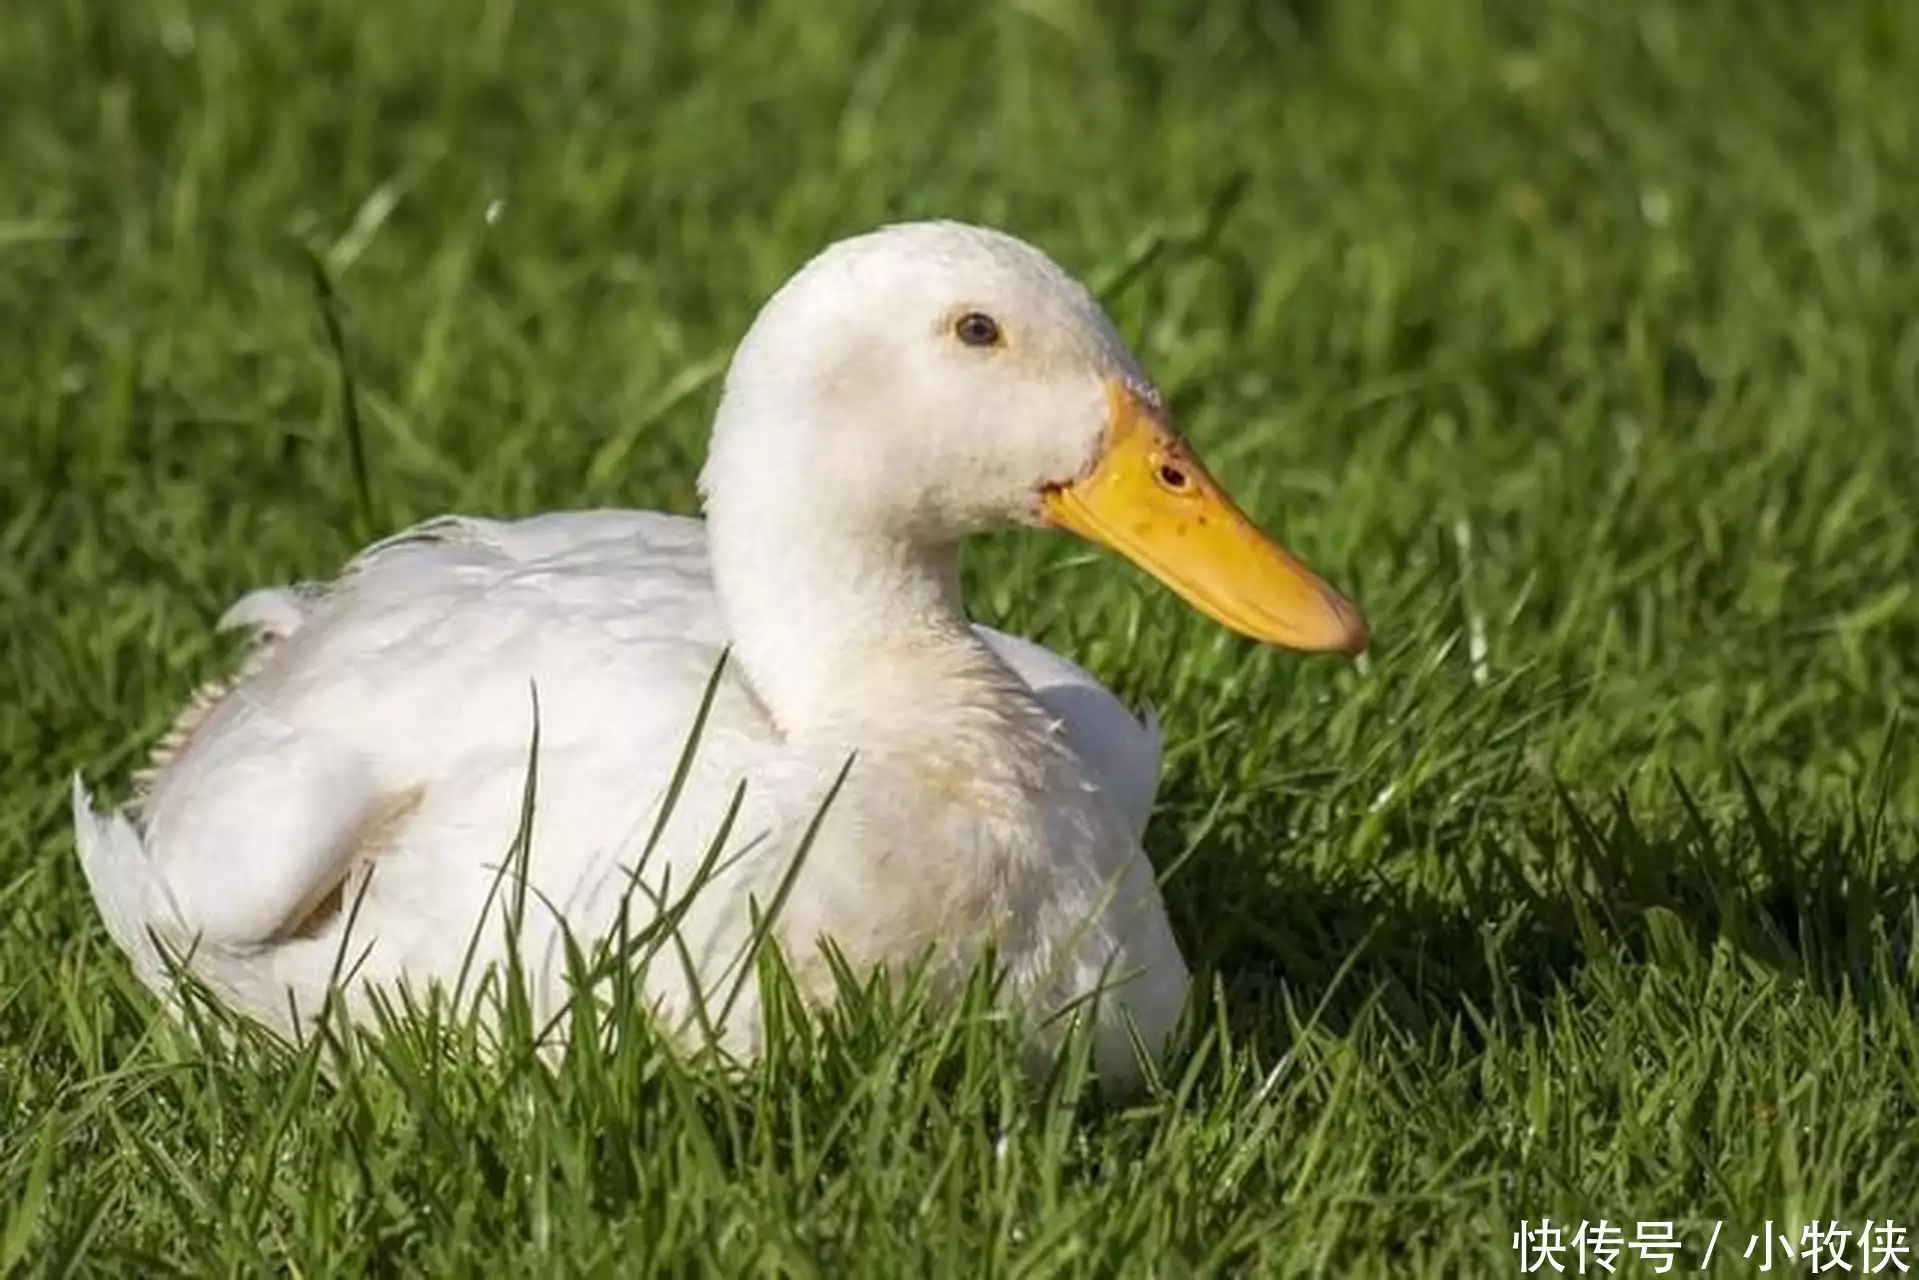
(481, 722)
(370, 772)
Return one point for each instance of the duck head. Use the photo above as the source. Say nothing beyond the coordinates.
(930, 381)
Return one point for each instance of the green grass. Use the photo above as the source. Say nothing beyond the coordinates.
(1577, 339)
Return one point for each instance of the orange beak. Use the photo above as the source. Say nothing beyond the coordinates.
(1151, 499)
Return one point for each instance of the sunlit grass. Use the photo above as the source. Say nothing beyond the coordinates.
(1577, 341)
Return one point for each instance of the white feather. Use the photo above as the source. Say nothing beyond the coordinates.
(378, 746)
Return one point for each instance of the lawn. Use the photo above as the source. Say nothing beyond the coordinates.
(1579, 341)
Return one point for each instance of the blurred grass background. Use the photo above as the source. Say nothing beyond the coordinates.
(1577, 340)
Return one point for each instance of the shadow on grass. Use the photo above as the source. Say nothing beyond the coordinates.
(1519, 913)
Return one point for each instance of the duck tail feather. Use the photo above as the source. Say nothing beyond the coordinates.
(133, 901)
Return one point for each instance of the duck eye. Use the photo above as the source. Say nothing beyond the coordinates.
(977, 329)
(1172, 477)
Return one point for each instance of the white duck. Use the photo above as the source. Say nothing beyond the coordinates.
(339, 815)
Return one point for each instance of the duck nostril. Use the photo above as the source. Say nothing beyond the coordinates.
(1172, 477)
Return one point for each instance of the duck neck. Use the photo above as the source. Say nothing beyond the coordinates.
(843, 633)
